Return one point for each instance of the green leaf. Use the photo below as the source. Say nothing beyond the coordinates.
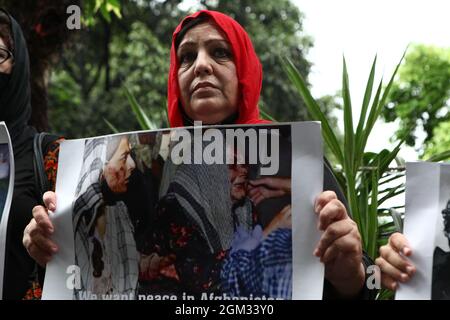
(141, 116)
(394, 177)
(364, 207)
(114, 7)
(98, 4)
(264, 113)
(267, 116)
(371, 118)
(373, 224)
(389, 157)
(363, 115)
(110, 125)
(387, 90)
(392, 193)
(378, 106)
(105, 13)
(439, 157)
(349, 136)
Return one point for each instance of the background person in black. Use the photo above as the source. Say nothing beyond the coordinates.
(15, 110)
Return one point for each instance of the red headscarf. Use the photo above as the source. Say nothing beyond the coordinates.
(248, 69)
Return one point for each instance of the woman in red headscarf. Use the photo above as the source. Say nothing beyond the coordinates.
(215, 77)
(205, 46)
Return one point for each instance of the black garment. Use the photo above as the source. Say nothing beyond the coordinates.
(441, 275)
(15, 110)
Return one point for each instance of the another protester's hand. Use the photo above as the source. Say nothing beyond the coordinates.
(37, 234)
(394, 265)
(339, 247)
(269, 187)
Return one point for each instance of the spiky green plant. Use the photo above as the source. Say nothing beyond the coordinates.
(363, 173)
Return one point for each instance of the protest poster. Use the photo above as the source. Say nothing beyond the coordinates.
(217, 212)
(6, 191)
(427, 228)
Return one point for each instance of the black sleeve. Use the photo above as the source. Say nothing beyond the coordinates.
(19, 266)
(330, 183)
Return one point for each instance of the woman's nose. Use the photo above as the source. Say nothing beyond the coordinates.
(203, 64)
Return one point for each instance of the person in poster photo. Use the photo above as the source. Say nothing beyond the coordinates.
(105, 248)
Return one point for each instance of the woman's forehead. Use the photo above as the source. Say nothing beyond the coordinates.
(203, 32)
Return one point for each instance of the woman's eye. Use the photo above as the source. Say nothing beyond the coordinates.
(222, 53)
(187, 57)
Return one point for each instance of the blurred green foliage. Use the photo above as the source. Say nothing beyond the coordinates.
(420, 98)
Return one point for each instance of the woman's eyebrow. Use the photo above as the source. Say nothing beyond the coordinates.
(191, 43)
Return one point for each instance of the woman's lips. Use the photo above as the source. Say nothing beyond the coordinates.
(203, 86)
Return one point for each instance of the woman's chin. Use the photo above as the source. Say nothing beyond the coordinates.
(209, 111)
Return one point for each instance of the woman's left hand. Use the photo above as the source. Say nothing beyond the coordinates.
(339, 247)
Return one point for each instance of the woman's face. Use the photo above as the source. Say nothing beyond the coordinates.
(207, 75)
(5, 67)
(238, 174)
(119, 168)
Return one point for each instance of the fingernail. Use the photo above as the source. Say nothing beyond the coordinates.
(318, 208)
(406, 251)
(404, 277)
(394, 286)
(316, 252)
(410, 270)
(51, 207)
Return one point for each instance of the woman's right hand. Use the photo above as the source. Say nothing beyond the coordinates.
(393, 262)
(37, 234)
